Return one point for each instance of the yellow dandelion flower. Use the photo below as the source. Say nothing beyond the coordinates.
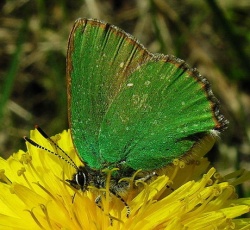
(36, 195)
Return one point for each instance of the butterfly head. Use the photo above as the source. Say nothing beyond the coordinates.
(80, 179)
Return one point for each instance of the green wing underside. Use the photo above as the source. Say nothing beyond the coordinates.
(129, 106)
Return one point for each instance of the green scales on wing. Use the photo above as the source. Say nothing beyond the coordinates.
(130, 107)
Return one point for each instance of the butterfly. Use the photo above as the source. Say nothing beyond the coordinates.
(131, 109)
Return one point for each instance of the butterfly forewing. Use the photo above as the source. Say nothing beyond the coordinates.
(100, 59)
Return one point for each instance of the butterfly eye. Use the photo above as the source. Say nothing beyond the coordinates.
(81, 178)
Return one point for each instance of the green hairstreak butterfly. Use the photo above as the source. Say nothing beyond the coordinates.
(131, 109)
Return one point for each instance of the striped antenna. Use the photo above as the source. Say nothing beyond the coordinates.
(69, 160)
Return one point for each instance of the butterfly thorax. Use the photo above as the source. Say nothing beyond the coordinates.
(86, 176)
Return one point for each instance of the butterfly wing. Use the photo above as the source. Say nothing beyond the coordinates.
(162, 110)
(130, 106)
(99, 60)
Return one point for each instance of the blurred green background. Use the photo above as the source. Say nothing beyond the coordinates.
(210, 35)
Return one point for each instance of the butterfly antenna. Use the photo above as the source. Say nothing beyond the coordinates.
(39, 129)
(49, 151)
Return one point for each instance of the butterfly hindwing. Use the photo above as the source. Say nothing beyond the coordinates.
(160, 113)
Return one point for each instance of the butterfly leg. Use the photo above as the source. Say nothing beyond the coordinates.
(147, 176)
(123, 201)
(98, 201)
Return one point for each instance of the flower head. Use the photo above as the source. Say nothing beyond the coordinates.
(35, 194)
